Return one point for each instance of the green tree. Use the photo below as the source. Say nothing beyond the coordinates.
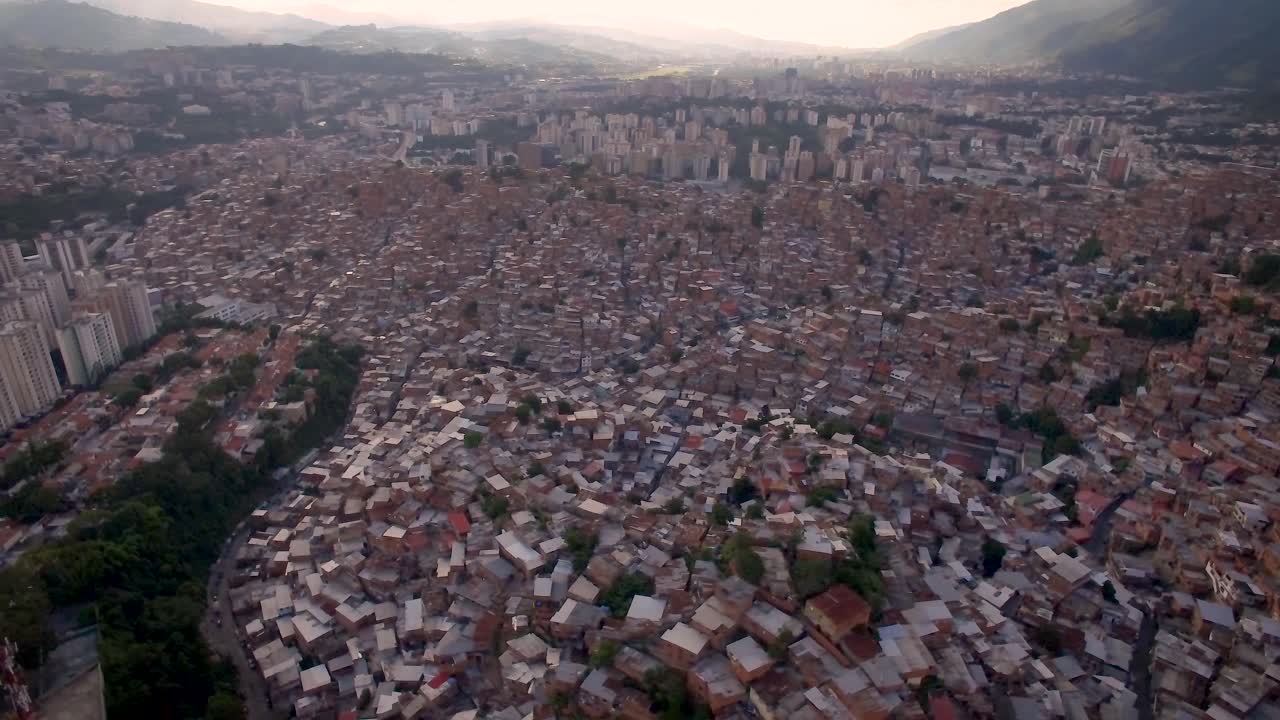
(992, 556)
(1088, 251)
(27, 609)
(1243, 305)
(224, 706)
(472, 439)
(604, 653)
(743, 490)
(820, 496)
(618, 597)
(495, 506)
(1264, 271)
(757, 216)
(581, 547)
(778, 648)
(1004, 414)
(721, 514)
(533, 401)
(33, 460)
(1048, 638)
(748, 566)
(127, 398)
(523, 412)
(810, 576)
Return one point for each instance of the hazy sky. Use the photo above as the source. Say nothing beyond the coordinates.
(849, 23)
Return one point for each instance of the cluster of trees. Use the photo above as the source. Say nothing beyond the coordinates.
(29, 215)
(239, 376)
(1088, 251)
(1045, 423)
(1178, 324)
(34, 501)
(741, 558)
(669, 696)
(1264, 271)
(1021, 128)
(337, 372)
(859, 570)
(139, 559)
(618, 597)
(993, 552)
(181, 317)
(831, 427)
(32, 460)
(314, 59)
(1110, 392)
(581, 547)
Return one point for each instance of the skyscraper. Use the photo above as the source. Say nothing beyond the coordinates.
(87, 282)
(130, 310)
(11, 262)
(51, 283)
(89, 347)
(482, 154)
(26, 372)
(759, 166)
(63, 253)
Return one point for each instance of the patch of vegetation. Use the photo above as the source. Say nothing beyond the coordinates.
(669, 696)
(993, 552)
(34, 459)
(1111, 392)
(860, 569)
(810, 576)
(1264, 271)
(1178, 324)
(581, 547)
(618, 597)
(745, 562)
(1088, 251)
(604, 654)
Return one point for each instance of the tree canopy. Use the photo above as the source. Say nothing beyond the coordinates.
(141, 556)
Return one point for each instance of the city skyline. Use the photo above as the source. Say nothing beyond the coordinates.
(538, 370)
(850, 25)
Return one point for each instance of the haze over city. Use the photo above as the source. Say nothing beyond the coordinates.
(852, 24)
(910, 360)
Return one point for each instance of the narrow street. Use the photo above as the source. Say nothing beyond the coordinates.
(1140, 666)
(219, 627)
(1101, 535)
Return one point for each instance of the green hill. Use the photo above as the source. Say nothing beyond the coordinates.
(59, 24)
(1193, 41)
(1202, 42)
(1023, 34)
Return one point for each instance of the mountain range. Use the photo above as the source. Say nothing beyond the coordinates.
(76, 26)
(1202, 42)
(512, 42)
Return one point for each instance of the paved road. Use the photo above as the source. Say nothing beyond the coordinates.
(223, 637)
(1140, 666)
(1101, 535)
